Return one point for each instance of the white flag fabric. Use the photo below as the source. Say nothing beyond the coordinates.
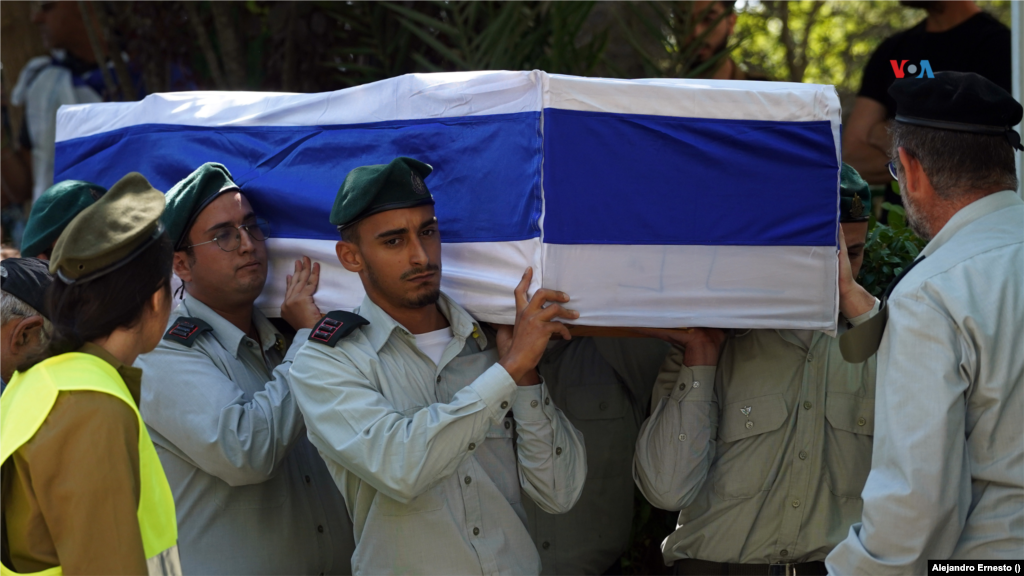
(658, 203)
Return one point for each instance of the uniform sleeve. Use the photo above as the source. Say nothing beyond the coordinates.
(677, 443)
(400, 454)
(199, 409)
(551, 452)
(917, 495)
(84, 469)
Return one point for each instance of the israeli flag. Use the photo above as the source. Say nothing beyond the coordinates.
(657, 203)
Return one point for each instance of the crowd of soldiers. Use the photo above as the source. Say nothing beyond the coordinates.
(408, 437)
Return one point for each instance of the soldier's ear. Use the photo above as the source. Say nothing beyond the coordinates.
(182, 266)
(350, 256)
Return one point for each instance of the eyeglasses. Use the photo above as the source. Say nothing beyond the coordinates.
(892, 171)
(229, 239)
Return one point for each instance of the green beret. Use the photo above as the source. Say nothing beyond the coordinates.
(368, 190)
(52, 212)
(188, 198)
(109, 233)
(854, 196)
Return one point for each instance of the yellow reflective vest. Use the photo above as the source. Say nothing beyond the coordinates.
(27, 402)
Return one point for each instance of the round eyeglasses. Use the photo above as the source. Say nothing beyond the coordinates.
(230, 238)
(892, 171)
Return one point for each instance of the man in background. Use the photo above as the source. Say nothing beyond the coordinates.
(24, 331)
(604, 387)
(714, 21)
(956, 36)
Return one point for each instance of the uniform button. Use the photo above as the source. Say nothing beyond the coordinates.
(438, 378)
(469, 480)
(807, 405)
(602, 406)
(682, 437)
(861, 421)
(682, 386)
(803, 455)
(784, 553)
(507, 424)
(810, 357)
(504, 404)
(796, 503)
(249, 343)
(476, 531)
(558, 451)
(320, 529)
(749, 424)
(696, 384)
(307, 479)
(472, 445)
(533, 403)
(547, 401)
(546, 545)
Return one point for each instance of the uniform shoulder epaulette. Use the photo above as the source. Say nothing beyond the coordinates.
(185, 330)
(336, 325)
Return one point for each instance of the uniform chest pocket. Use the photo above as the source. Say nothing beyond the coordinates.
(432, 499)
(746, 451)
(848, 442)
(600, 413)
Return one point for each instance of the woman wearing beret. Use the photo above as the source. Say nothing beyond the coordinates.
(83, 490)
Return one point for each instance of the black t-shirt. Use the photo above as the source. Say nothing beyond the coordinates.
(980, 44)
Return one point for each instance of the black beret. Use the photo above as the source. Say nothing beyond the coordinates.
(368, 190)
(27, 280)
(959, 101)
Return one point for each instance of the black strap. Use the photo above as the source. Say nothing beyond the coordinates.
(896, 280)
(336, 325)
(186, 330)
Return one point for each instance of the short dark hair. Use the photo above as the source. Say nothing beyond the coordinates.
(351, 233)
(84, 312)
(957, 163)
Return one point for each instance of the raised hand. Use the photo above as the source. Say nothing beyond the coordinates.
(854, 300)
(520, 347)
(701, 346)
(299, 309)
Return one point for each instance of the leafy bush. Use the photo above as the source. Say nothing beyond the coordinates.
(888, 250)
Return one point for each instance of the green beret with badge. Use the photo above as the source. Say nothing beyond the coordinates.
(854, 196)
(52, 212)
(110, 233)
(188, 198)
(368, 190)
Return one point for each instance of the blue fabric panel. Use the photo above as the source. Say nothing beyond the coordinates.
(658, 180)
(486, 178)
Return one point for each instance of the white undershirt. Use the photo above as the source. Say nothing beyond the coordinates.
(433, 343)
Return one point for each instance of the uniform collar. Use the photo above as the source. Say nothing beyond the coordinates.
(229, 336)
(132, 376)
(968, 214)
(382, 325)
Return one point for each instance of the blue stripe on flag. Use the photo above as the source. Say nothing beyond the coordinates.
(658, 180)
(486, 177)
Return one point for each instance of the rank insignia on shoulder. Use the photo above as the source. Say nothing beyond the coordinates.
(185, 330)
(336, 325)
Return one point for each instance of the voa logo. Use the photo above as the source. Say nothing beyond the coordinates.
(901, 69)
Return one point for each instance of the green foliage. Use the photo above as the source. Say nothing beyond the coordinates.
(386, 39)
(825, 42)
(887, 251)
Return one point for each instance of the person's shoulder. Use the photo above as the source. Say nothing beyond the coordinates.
(986, 23)
(339, 337)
